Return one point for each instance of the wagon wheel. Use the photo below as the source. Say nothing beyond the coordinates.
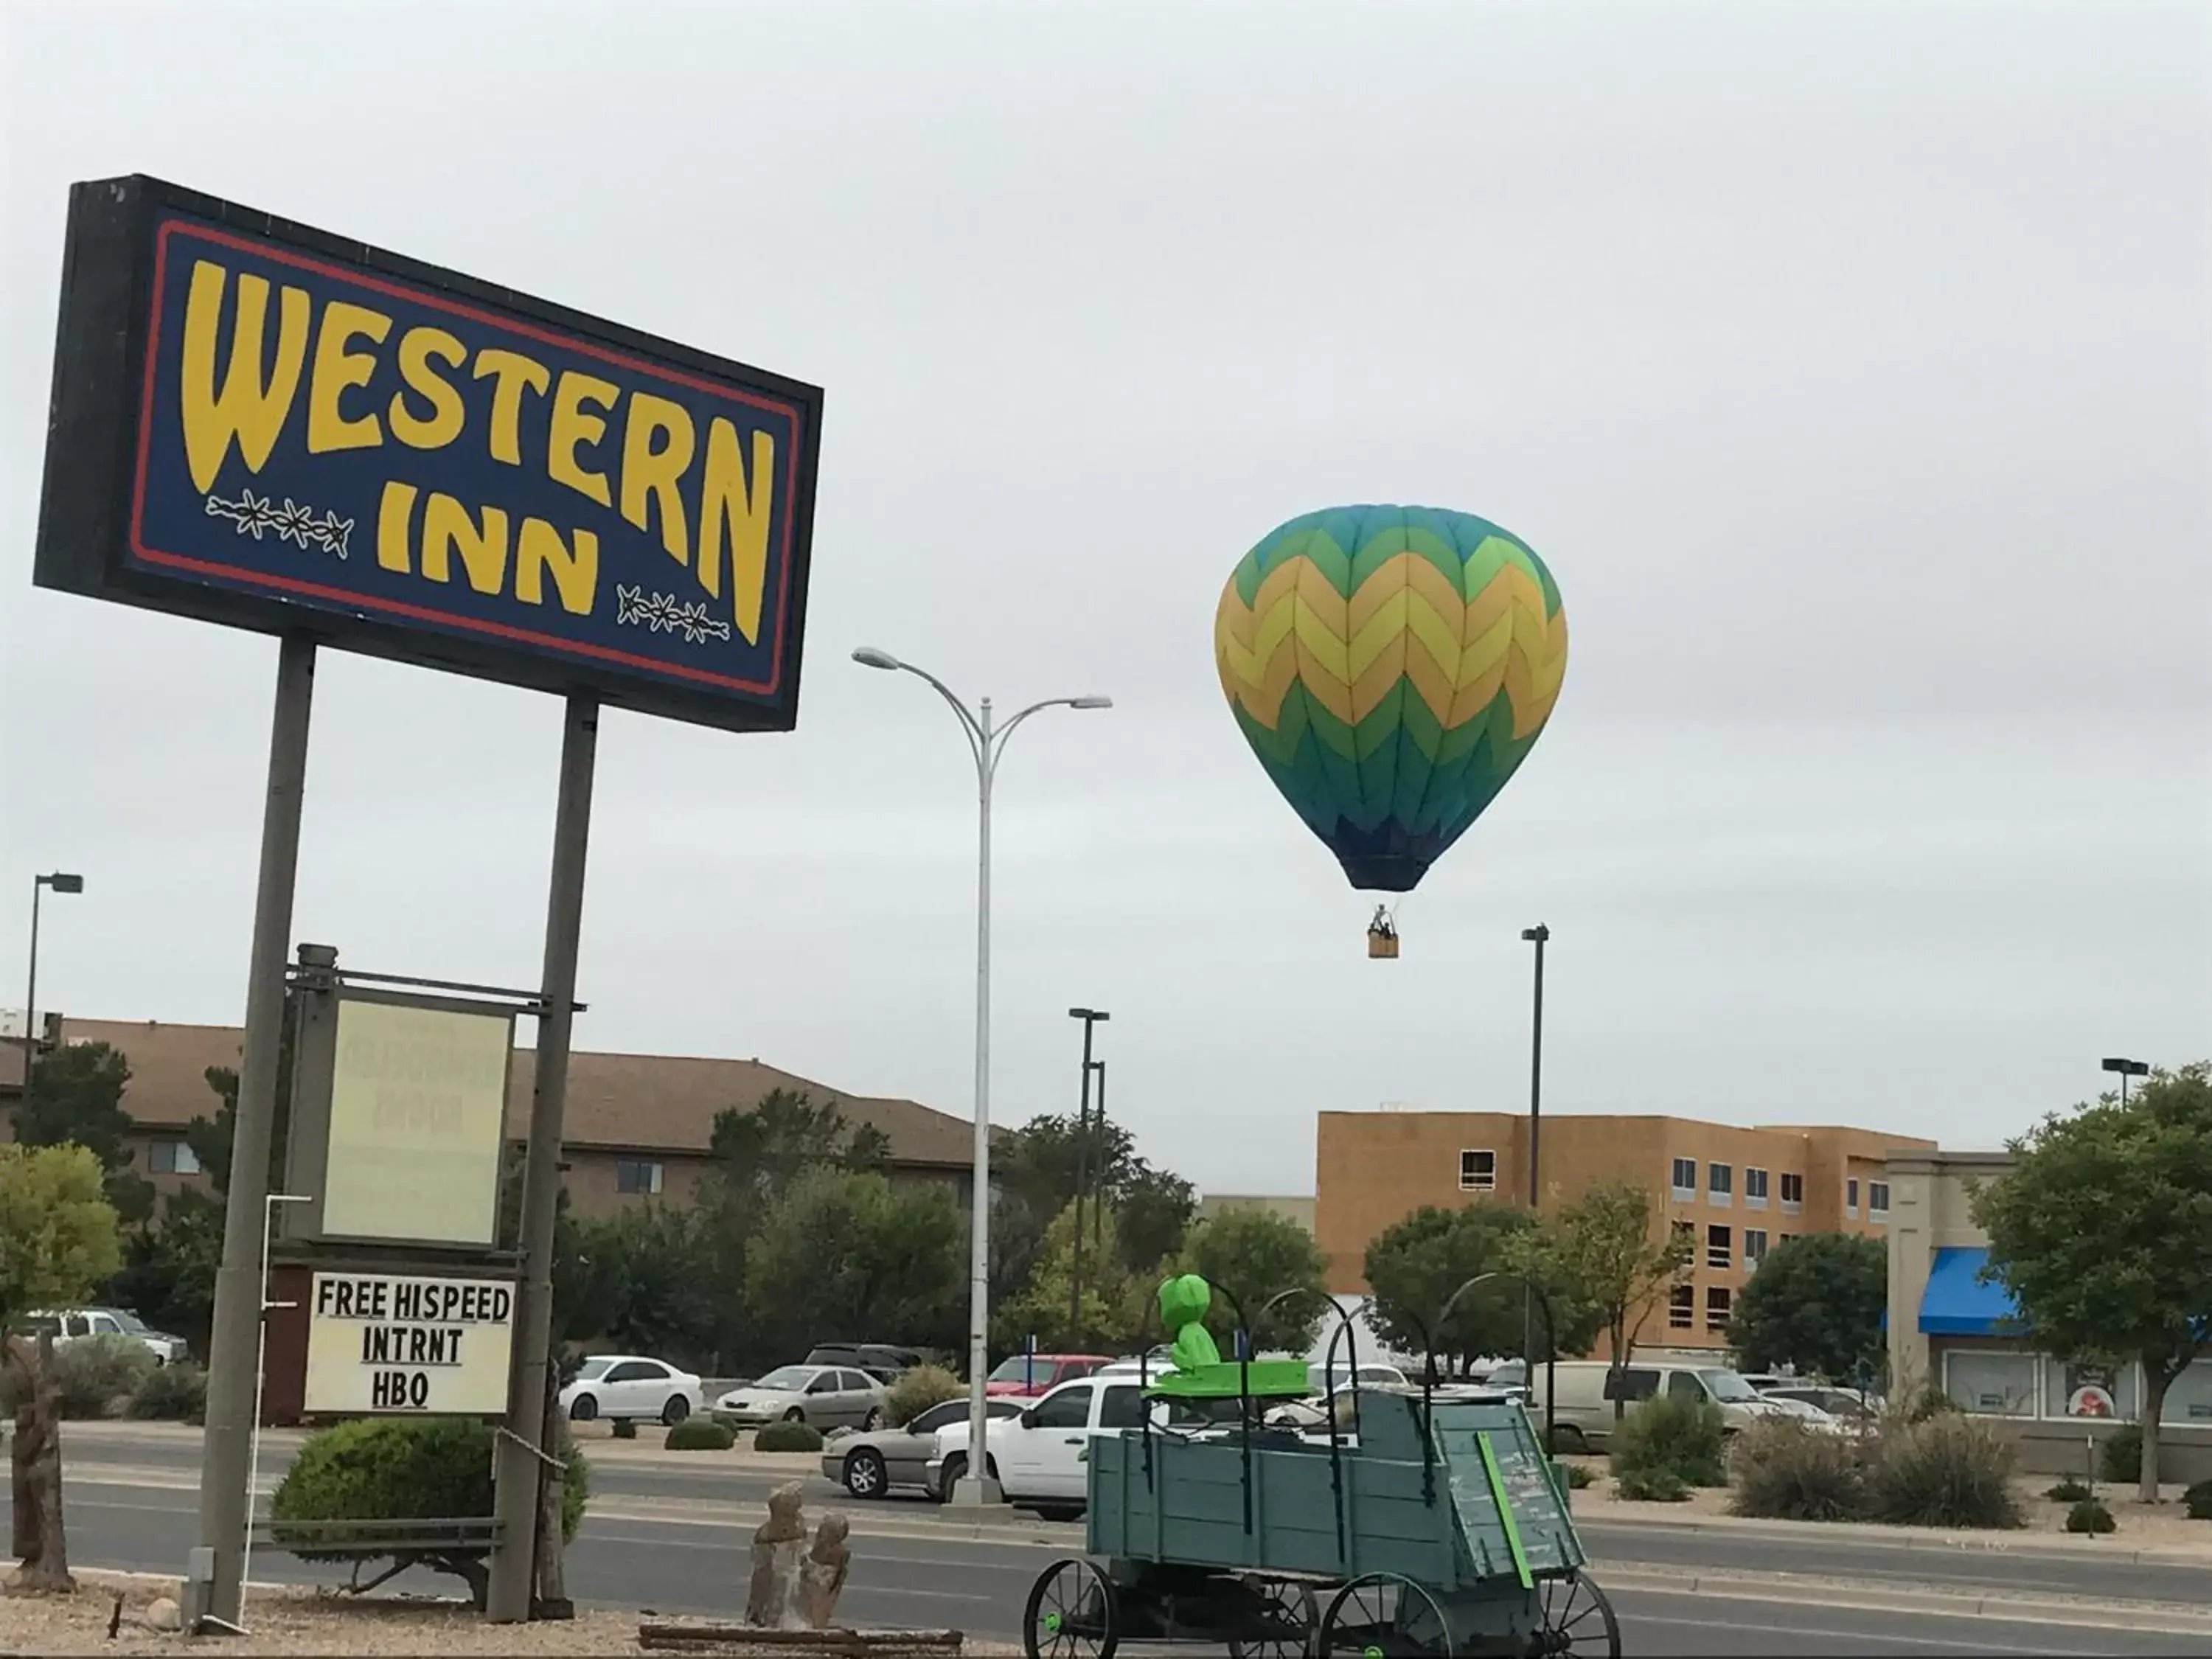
(1071, 1613)
(1577, 1618)
(1284, 1619)
(1382, 1616)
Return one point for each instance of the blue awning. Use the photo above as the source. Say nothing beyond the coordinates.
(1956, 1302)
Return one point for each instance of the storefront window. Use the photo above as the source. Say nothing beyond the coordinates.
(1995, 1384)
(2091, 1391)
(2189, 1398)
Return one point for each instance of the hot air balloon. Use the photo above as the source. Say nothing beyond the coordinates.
(1391, 667)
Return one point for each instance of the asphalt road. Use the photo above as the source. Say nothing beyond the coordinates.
(660, 1540)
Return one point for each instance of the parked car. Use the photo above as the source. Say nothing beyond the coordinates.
(1804, 1411)
(1843, 1404)
(628, 1387)
(870, 1464)
(1030, 1376)
(1589, 1391)
(76, 1324)
(879, 1359)
(1036, 1456)
(823, 1396)
(1368, 1376)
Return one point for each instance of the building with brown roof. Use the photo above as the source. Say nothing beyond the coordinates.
(635, 1124)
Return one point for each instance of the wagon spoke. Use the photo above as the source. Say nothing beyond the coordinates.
(1070, 1615)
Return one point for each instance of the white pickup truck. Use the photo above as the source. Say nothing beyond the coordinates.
(76, 1324)
(1037, 1457)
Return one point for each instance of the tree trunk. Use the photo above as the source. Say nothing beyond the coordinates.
(2156, 1378)
(21, 1451)
(1620, 1334)
(41, 1544)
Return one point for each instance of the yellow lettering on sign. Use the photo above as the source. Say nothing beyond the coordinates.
(393, 512)
(447, 526)
(648, 471)
(538, 549)
(337, 370)
(732, 508)
(515, 371)
(418, 347)
(573, 424)
(247, 409)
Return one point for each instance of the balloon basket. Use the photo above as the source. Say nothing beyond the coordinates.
(1382, 937)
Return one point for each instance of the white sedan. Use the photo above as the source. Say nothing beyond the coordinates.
(618, 1385)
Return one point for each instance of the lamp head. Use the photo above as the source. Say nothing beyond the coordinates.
(869, 656)
(63, 883)
(1089, 1013)
(1092, 701)
(1537, 934)
(2127, 1067)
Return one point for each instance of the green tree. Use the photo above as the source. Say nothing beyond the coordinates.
(642, 1278)
(1599, 1252)
(2100, 1233)
(1111, 1316)
(1156, 1208)
(58, 1231)
(1259, 1256)
(855, 1256)
(1415, 1265)
(1815, 1304)
(76, 1098)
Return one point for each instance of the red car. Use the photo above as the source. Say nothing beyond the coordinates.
(1025, 1375)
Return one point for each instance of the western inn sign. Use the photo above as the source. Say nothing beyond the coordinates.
(252, 418)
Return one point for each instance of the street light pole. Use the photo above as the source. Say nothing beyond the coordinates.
(61, 883)
(987, 742)
(1090, 1017)
(1536, 936)
(2127, 1068)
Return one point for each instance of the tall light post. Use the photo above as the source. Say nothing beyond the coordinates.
(987, 742)
(1535, 936)
(61, 883)
(2127, 1068)
(1090, 1017)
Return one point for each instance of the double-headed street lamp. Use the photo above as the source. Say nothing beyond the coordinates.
(61, 883)
(987, 742)
(2127, 1068)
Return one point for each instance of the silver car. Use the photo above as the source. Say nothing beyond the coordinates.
(870, 1465)
(822, 1396)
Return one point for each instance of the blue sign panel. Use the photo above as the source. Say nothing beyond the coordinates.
(321, 438)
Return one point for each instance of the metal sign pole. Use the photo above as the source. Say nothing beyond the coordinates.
(518, 1465)
(226, 1505)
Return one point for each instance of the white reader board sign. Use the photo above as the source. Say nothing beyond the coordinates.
(383, 1343)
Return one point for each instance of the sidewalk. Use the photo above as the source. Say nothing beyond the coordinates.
(595, 1440)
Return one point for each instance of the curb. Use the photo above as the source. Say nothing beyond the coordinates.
(1805, 1590)
(1960, 1542)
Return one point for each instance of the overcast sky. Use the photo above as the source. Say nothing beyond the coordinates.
(1848, 366)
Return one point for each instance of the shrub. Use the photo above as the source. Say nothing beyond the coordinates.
(403, 1468)
(917, 1390)
(1652, 1486)
(1684, 1437)
(2198, 1500)
(93, 1372)
(625, 1428)
(1930, 1401)
(788, 1437)
(174, 1393)
(700, 1434)
(2068, 1491)
(1786, 1471)
(1578, 1476)
(1949, 1471)
(2120, 1459)
(2090, 1517)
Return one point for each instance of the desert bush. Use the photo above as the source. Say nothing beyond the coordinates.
(700, 1434)
(917, 1390)
(2198, 1500)
(1785, 1472)
(1930, 1401)
(1652, 1486)
(2069, 1491)
(1578, 1476)
(405, 1468)
(624, 1428)
(2090, 1517)
(1948, 1471)
(93, 1372)
(1683, 1437)
(174, 1393)
(2120, 1459)
(787, 1437)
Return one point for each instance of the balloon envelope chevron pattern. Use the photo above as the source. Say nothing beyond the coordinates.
(1390, 667)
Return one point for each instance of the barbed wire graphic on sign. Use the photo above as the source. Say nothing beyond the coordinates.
(663, 614)
(292, 522)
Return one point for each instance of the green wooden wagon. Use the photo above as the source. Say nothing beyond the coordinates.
(1438, 1529)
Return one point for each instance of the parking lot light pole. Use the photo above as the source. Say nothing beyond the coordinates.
(1536, 936)
(986, 742)
(2127, 1068)
(1090, 1017)
(60, 882)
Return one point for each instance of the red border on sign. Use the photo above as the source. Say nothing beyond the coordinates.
(424, 613)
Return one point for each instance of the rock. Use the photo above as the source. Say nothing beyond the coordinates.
(822, 1576)
(161, 1613)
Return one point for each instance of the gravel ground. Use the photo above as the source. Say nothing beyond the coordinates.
(289, 1620)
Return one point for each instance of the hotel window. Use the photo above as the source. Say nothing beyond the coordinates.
(1681, 1308)
(636, 1175)
(1851, 1197)
(172, 1157)
(1717, 1308)
(1754, 1189)
(1720, 1181)
(1685, 1178)
(1754, 1246)
(1478, 1172)
(1793, 1192)
(1717, 1247)
(1877, 1198)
